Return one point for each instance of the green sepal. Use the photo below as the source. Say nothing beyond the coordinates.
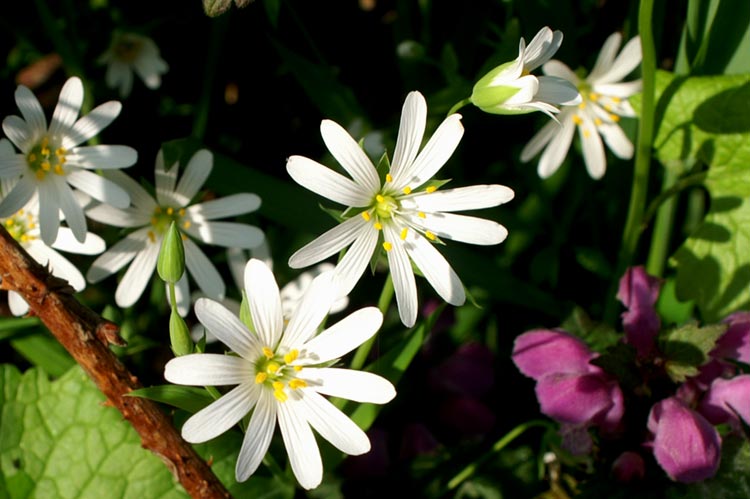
(245, 316)
(436, 183)
(188, 398)
(171, 261)
(179, 335)
(383, 168)
(337, 215)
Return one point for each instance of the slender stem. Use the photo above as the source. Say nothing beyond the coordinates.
(638, 195)
(360, 356)
(468, 471)
(458, 105)
(218, 31)
(660, 237)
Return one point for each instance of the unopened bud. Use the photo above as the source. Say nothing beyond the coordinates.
(171, 262)
(179, 335)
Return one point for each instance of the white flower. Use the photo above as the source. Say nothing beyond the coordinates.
(278, 378)
(511, 89)
(404, 211)
(604, 102)
(52, 161)
(131, 52)
(23, 226)
(153, 217)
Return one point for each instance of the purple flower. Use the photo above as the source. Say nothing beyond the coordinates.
(638, 292)
(685, 444)
(569, 389)
(735, 342)
(727, 400)
(628, 467)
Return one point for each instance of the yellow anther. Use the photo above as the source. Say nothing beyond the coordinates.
(32, 157)
(158, 210)
(62, 160)
(268, 352)
(431, 188)
(582, 105)
(45, 142)
(9, 223)
(272, 368)
(181, 212)
(608, 107)
(597, 121)
(421, 214)
(366, 216)
(298, 368)
(45, 151)
(387, 246)
(378, 225)
(278, 386)
(403, 233)
(614, 117)
(152, 236)
(291, 356)
(183, 237)
(186, 224)
(170, 211)
(40, 175)
(593, 96)
(60, 152)
(407, 190)
(388, 177)
(379, 198)
(32, 226)
(577, 119)
(260, 378)
(430, 235)
(586, 134)
(297, 383)
(59, 170)
(24, 238)
(46, 166)
(616, 100)
(154, 221)
(280, 395)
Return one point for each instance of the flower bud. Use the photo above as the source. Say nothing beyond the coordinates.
(171, 262)
(179, 335)
(629, 467)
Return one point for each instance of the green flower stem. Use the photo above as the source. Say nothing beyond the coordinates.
(657, 255)
(219, 27)
(468, 471)
(634, 221)
(360, 356)
(458, 105)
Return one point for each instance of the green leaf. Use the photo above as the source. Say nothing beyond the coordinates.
(44, 351)
(188, 398)
(60, 440)
(686, 348)
(13, 326)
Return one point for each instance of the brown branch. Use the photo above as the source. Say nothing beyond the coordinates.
(86, 336)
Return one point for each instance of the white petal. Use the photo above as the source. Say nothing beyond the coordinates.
(541, 48)
(17, 197)
(68, 107)
(265, 303)
(31, 111)
(138, 275)
(196, 172)
(434, 155)
(228, 206)
(99, 188)
(49, 208)
(140, 198)
(209, 369)
(410, 132)
(471, 230)
(359, 386)
(555, 153)
(220, 416)
(166, 179)
(327, 183)
(17, 304)
(616, 140)
(227, 234)
(341, 338)
(181, 294)
(540, 140)
(118, 256)
(403, 277)
(227, 328)
(606, 56)
(527, 88)
(12, 165)
(357, 257)
(333, 425)
(59, 265)
(71, 209)
(621, 90)
(203, 271)
(436, 270)
(236, 260)
(312, 309)
(66, 241)
(350, 155)
(593, 149)
(304, 455)
(109, 215)
(328, 243)
(561, 70)
(629, 58)
(90, 125)
(19, 132)
(557, 91)
(102, 157)
(474, 197)
(257, 437)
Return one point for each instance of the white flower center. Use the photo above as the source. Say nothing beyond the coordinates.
(20, 225)
(46, 157)
(277, 372)
(163, 217)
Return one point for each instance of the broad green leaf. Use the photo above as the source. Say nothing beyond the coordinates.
(13, 326)
(44, 351)
(60, 440)
(713, 265)
(686, 348)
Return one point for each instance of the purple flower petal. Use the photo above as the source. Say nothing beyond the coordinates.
(638, 292)
(735, 342)
(574, 398)
(541, 352)
(727, 400)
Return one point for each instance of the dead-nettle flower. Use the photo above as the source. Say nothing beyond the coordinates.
(281, 370)
(129, 53)
(511, 89)
(52, 161)
(152, 217)
(403, 211)
(604, 102)
(23, 226)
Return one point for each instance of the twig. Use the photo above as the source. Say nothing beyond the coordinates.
(86, 336)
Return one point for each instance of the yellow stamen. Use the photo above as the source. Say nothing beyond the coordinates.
(298, 368)
(582, 105)
(32, 157)
(151, 236)
(154, 221)
(8, 223)
(272, 368)
(577, 119)
(378, 225)
(24, 238)
(388, 177)
(158, 210)
(170, 210)
(616, 100)
(60, 152)
(268, 352)
(430, 235)
(181, 212)
(614, 118)
(407, 190)
(260, 378)
(597, 121)
(46, 166)
(403, 233)
(291, 356)
(366, 216)
(45, 142)
(183, 237)
(59, 170)
(186, 224)
(379, 198)
(280, 396)
(431, 188)
(278, 386)
(45, 151)
(586, 134)
(607, 107)
(39, 175)
(594, 96)
(297, 383)
(387, 246)
(421, 214)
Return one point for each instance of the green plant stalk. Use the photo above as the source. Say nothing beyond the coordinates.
(458, 105)
(634, 221)
(360, 356)
(469, 470)
(218, 30)
(657, 255)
